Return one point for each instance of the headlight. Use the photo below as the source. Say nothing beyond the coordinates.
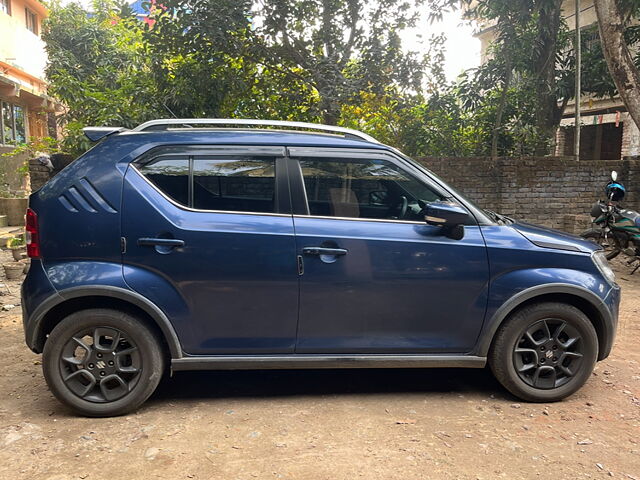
(600, 260)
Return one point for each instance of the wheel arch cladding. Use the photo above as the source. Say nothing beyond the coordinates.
(582, 300)
(54, 315)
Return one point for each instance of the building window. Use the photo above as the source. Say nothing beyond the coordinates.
(12, 124)
(32, 20)
(5, 6)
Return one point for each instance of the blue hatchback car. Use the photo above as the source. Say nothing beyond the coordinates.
(246, 244)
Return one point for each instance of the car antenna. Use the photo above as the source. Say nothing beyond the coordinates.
(169, 110)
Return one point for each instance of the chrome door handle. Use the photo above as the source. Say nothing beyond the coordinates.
(324, 251)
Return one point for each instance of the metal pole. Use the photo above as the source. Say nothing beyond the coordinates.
(578, 48)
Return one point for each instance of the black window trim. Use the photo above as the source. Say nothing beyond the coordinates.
(282, 201)
(299, 200)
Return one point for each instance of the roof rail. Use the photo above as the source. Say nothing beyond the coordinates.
(167, 122)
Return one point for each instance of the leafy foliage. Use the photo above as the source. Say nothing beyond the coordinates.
(98, 68)
(319, 53)
(335, 61)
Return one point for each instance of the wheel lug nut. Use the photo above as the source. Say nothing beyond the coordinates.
(91, 365)
(102, 373)
(555, 359)
(99, 355)
(555, 347)
(542, 348)
(111, 363)
(542, 360)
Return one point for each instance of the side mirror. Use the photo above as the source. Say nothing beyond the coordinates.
(614, 175)
(448, 215)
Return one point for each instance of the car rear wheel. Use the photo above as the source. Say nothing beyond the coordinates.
(102, 362)
(544, 352)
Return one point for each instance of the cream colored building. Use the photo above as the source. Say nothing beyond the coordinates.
(607, 131)
(23, 91)
(24, 103)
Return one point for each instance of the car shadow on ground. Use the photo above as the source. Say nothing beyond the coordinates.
(292, 383)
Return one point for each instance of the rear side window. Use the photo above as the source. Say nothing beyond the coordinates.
(222, 183)
(170, 175)
(246, 184)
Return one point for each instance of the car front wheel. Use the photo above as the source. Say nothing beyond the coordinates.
(544, 352)
(102, 362)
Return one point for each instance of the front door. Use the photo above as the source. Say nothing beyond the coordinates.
(210, 240)
(376, 278)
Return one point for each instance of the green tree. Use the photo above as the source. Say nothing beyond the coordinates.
(528, 45)
(98, 68)
(329, 50)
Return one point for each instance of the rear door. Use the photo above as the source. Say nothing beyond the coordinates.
(376, 277)
(209, 239)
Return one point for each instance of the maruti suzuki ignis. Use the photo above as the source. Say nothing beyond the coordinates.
(248, 244)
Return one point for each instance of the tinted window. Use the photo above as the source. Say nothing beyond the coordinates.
(171, 176)
(235, 184)
(358, 188)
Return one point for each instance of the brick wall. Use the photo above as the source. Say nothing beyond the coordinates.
(38, 174)
(554, 191)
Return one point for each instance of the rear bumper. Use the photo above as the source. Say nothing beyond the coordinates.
(35, 292)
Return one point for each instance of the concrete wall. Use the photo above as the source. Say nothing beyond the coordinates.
(554, 191)
(13, 183)
(14, 209)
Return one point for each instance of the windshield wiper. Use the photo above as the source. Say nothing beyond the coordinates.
(500, 219)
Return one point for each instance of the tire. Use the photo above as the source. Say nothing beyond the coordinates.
(524, 330)
(119, 371)
(611, 249)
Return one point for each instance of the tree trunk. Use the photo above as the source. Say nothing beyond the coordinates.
(623, 71)
(547, 115)
(329, 105)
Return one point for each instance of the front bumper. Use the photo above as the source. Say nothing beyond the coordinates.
(609, 311)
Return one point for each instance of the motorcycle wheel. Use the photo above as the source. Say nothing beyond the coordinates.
(610, 245)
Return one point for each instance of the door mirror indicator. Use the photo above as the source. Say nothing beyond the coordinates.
(450, 216)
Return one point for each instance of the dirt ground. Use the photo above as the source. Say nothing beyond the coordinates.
(345, 424)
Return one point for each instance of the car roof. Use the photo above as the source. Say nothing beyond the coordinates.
(249, 136)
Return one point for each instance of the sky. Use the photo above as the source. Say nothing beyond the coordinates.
(462, 48)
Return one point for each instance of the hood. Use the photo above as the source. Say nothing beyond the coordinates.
(550, 238)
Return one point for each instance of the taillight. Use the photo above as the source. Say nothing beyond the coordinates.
(33, 239)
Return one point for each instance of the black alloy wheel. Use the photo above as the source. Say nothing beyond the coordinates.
(544, 352)
(102, 362)
(548, 354)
